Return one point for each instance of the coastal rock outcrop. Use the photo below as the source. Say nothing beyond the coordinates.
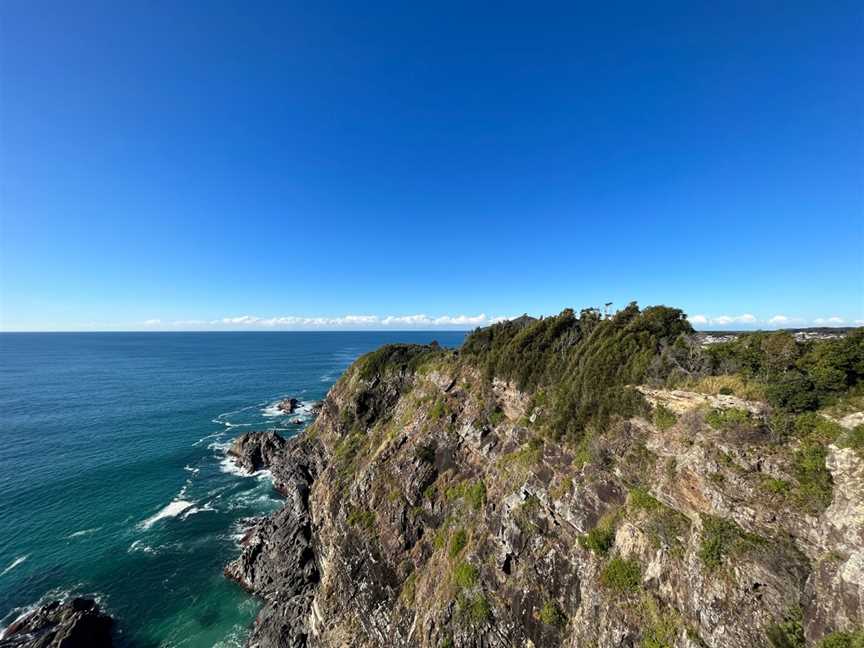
(75, 623)
(288, 405)
(257, 450)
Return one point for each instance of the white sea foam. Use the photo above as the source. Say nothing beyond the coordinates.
(209, 436)
(83, 532)
(173, 509)
(139, 545)
(14, 564)
(197, 509)
(190, 469)
(228, 465)
(272, 411)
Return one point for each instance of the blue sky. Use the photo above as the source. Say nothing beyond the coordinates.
(305, 164)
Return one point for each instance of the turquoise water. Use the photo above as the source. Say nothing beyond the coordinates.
(113, 479)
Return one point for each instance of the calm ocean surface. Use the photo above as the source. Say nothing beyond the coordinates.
(113, 478)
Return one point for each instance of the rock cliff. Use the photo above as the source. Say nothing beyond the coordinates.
(429, 505)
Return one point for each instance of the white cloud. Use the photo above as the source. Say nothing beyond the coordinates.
(829, 320)
(723, 320)
(779, 320)
(348, 322)
(859, 322)
(698, 319)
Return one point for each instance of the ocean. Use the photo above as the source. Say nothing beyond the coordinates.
(113, 476)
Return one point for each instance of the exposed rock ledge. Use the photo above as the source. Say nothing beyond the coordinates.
(75, 623)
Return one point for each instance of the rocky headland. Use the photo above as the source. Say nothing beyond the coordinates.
(573, 481)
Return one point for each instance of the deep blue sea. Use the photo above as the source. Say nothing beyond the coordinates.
(113, 477)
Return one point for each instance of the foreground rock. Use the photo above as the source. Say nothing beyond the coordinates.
(76, 623)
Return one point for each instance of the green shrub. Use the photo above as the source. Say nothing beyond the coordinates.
(361, 518)
(664, 418)
(815, 486)
(723, 538)
(853, 639)
(551, 614)
(458, 542)
(600, 539)
(474, 609)
(622, 576)
(496, 417)
(465, 575)
(787, 634)
(437, 410)
(776, 486)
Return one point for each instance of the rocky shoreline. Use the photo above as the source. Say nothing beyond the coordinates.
(73, 623)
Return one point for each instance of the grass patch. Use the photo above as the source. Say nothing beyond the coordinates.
(472, 491)
(727, 419)
(622, 576)
(776, 486)
(660, 628)
(465, 575)
(361, 518)
(458, 542)
(725, 384)
(551, 615)
(664, 418)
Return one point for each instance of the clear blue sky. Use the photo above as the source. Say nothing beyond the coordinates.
(201, 160)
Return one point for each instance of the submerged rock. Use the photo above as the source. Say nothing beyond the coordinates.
(75, 623)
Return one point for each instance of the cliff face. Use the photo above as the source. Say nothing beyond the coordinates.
(425, 508)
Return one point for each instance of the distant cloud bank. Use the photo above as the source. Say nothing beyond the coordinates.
(776, 321)
(345, 322)
(453, 322)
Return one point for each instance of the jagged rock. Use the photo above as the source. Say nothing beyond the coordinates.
(278, 561)
(75, 623)
(288, 405)
(255, 451)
